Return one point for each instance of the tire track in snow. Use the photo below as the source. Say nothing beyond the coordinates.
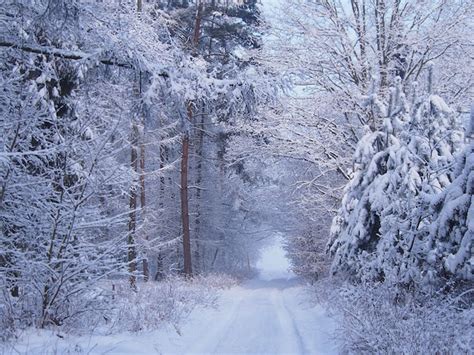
(214, 331)
(289, 315)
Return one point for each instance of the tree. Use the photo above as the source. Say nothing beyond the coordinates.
(216, 34)
(451, 234)
(376, 234)
(349, 45)
(63, 204)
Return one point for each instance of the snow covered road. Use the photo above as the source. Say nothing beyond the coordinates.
(258, 320)
(259, 317)
(271, 314)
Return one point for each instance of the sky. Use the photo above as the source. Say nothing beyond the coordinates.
(273, 263)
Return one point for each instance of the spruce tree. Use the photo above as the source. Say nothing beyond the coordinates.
(451, 233)
(379, 231)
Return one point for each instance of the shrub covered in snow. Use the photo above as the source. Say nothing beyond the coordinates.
(381, 319)
(113, 307)
(151, 306)
(306, 254)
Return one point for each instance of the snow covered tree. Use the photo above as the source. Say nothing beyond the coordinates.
(355, 233)
(377, 233)
(451, 234)
(430, 139)
(343, 46)
(63, 194)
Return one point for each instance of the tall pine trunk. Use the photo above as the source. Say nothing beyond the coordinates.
(159, 275)
(132, 223)
(146, 271)
(187, 259)
(199, 151)
(185, 206)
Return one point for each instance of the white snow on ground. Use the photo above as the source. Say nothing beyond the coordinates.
(267, 315)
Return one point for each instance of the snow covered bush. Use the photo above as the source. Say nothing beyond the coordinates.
(356, 230)
(7, 318)
(54, 237)
(379, 319)
(113, 308)
(217, 281)
(157, 303)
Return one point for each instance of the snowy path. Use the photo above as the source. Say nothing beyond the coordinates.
(259, 317)
(271, 314)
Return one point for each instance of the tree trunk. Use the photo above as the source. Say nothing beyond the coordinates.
(187, 260)
(132, 223)
(160, 275)
(379, 11)
(146, 272)
(197, 27)
(199, 160)
(185, 205)
(163, 159)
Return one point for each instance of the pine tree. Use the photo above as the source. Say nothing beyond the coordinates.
(378, 233)
(356, 230)
(451, 234)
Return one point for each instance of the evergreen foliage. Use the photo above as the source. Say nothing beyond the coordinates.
(379, 232)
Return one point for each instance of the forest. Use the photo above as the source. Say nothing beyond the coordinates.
(152, 152)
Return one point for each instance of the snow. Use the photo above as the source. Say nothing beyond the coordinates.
(260, 316)
(270, 314)
(439, 104)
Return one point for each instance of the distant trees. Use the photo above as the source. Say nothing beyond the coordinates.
(220, 36)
